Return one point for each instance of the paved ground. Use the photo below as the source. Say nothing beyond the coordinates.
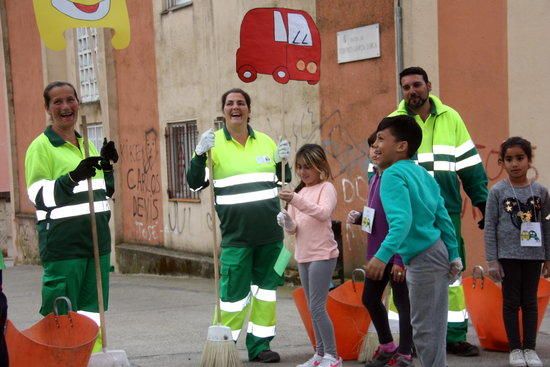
(162, 321)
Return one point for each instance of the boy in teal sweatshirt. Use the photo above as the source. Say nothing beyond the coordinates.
(420, 231)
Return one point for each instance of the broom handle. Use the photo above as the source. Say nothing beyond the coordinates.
(95, 242)
(215, 239)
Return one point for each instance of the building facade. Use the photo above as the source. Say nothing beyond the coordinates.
(156, 96)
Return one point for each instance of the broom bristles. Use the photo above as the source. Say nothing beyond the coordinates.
(220, 354)
(370, 344)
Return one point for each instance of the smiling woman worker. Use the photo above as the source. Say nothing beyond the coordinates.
(56, 173)
(246, 164)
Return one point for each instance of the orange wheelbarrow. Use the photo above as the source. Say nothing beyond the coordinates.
(484, 305)
(56, 340)
(349, 317)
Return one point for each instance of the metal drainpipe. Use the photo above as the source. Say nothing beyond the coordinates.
(398, 14)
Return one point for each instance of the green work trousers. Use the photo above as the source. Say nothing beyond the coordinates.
(248, 283)
(75, 279)
(457, 318)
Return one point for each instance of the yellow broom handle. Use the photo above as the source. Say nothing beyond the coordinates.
(95, 242)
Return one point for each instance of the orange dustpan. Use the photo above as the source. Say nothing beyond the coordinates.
(56, 340)
(484, 305)
(349, 317)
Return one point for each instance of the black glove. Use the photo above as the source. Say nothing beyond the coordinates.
(108, 151)
(481, 207)
(85, 169)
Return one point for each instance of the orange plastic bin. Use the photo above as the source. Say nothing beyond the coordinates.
(484, 305)
(56, 340)
(349, 317)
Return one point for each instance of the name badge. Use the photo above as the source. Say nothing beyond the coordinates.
(530, 234)
(368, 219)
(261, 159)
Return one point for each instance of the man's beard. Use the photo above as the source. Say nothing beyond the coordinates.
(419, 102)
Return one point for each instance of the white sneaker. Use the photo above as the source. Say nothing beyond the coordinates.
(330, 361)
(517, 359)
(314, 361)
(531, 358)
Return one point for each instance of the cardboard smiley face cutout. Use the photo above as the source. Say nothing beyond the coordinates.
(284, 43)
(53, 17)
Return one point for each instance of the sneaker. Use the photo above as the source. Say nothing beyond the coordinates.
(267, 356)
(531, 358)
(330, 361)
(463, 349)
(400, 360)
(312, 362)
(380, 358)
(516, 358)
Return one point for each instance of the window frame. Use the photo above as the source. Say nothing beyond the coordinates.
(178, 189)
(171, 5)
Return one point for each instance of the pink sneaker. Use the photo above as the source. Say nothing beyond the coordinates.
(314, 361)
(330, 361)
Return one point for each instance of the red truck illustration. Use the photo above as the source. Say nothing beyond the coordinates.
(278, 41)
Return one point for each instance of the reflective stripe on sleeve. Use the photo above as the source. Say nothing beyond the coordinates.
(468, 162)
(467, 146)
(97, 184)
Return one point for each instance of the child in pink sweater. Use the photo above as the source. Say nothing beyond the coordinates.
(309, 218)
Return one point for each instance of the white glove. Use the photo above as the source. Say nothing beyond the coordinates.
(206, 142)
(283, 151)
(495, 270)
(353, 217)
(455, 269)
(285, 221)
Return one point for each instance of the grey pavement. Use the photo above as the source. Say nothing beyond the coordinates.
(162, 321)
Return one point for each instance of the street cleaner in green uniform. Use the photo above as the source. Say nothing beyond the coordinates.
(448, 153)
(246, 165)
(56, 174)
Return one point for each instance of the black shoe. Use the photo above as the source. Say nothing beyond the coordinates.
(463, 349)
(267, 356)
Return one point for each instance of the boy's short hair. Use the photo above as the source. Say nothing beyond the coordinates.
(371, 139)
(403, 128)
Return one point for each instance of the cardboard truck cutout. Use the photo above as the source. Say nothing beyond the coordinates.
(53, 17)
(284, 43)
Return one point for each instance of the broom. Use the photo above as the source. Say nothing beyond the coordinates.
(106, 358)
(370, 340)
(220, 349)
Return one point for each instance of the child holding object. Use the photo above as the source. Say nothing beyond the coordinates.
(420, 231)
(309, 218)
(516, 244)
(373, 220)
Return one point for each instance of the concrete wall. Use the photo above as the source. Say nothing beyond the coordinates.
(529, 79)
(354, 98)
(139, 135)
(195, 58)
(27, 120)
(473, 75)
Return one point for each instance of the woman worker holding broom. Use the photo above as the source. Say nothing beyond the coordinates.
(246, 164)
(56, 174)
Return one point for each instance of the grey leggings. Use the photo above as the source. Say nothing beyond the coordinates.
(315, 277)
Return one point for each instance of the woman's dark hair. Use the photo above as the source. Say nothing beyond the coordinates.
(237, 90)
(516, 141)
(313, 155)
(52, 85)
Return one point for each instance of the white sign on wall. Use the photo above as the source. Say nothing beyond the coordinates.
(358, 43)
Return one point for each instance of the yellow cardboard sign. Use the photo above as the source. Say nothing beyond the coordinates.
(53, 17)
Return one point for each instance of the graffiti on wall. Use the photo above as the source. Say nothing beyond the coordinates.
(142, 179)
